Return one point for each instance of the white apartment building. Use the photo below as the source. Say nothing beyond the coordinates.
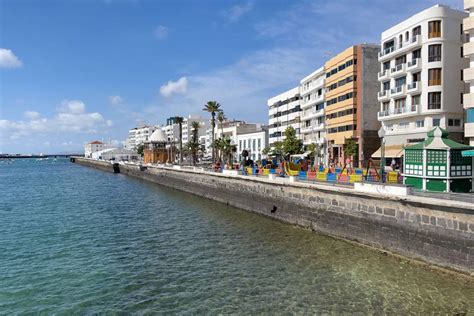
(312, 106)
(138, 136)
(93, 147)
(421, 76)
(284, 110)
(468, 48)
(234, 128)
(188, 130)
(254, 143)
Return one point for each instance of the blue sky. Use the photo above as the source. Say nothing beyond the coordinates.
(78, 70)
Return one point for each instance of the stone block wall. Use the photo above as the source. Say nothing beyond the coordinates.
(435, 231)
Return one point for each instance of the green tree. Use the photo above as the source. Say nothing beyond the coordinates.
(193, 145)
(226, 149)
(179, 120)
(212, 107)
(292, 145)
(351, 148)
(267, 150)
(141, 149)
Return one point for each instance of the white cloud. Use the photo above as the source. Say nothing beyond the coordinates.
(174, 87)
(8, 59)
(72, 106)
(71, 118)
(115, 99)
(236, 12)
(32, 115)
(161, 32)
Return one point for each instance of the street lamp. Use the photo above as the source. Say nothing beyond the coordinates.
(381, 133)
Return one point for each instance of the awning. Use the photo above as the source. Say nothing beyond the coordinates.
(391, 151)
(306, 154)
(468, 153)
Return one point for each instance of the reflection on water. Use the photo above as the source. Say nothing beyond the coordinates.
(76, 239)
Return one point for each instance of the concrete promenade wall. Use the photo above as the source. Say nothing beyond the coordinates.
(439, 232)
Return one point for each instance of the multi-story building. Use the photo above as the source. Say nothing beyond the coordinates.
(284, 111)
(351, 102)
(313, 114)
(420, 76)
(468, 48)
(93, 147)
(138, 136)
(171, 129)
(188, 130)
(253, 142)
(234, 128)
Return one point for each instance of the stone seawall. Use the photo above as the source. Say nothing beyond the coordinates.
(439, 232)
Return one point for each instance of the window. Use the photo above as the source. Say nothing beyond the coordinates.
(434, 100)
(253, 145)
(416, 31)
(416, 54)
(403, 125)
(434, 77)
(454, 122)
(401, 60)
(386, 85)
(400, 81)
(470, 116)
(436, 122)
(386, 65)
(415, 101)
(259, 144)
(434, 53)
(399, 105)
(240, 144)
(434, 29)
(420, 124)
(416, 77)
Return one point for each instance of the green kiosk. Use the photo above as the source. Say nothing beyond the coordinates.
(438, 164)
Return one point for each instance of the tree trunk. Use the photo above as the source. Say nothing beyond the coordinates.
(181, 143)
(213, 125)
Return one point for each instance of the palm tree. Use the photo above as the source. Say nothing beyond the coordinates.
(179, 120)
(221, 119)
(195, 130)
(212, 107)
(227, 149)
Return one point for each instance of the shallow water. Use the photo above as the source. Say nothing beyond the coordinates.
(75, 239)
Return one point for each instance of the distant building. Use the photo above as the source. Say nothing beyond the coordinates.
(93, 147)
(351, 102)
(138, 136)
(188, 130)
(116, 154)
(284, 110)
(253, 142)
(312, 93)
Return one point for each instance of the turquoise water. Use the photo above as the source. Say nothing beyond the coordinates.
(79, 240)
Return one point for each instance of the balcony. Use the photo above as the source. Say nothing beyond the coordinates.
(398, 70)
(469, 75)
(309, 114)
(400, 47)
(312, 129)
(397, 112)
(468, 24)
(468, 49)
(468, 129)
(397, 91)
(383, 95)
(414, 87)
(414, 65)
(317, 99)
(383, 74)
(468, 100)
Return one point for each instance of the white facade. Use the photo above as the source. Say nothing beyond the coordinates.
(172, 132)
(421, 76)
(188, 130)
(284, 110)
(313, 113)
(138, 136)
(232, 129)
(468, 48)
(254, 143)
(93, 147)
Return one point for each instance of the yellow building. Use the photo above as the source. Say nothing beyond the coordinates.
(351, 102)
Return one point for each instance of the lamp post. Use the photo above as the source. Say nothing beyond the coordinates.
(381, 133)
